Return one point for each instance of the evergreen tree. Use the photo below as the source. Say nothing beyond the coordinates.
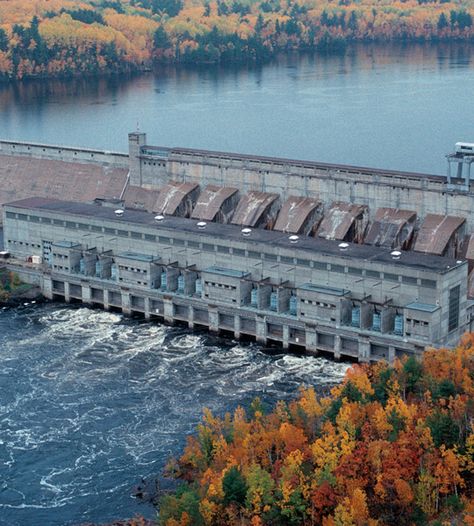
(234, 486)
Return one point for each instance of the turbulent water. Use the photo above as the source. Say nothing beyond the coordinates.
(91, 401)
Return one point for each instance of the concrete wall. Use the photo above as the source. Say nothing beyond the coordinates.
(64, 153)
(374, 188)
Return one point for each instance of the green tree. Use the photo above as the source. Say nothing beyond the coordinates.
(3, 40)
(234, 486)
(444, 430)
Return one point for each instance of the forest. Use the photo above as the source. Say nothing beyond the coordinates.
(390, 445)
(60, 38)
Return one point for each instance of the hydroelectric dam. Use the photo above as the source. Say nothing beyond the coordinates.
(356, 262)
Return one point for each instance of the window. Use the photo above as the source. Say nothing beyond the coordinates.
(34, 219)
(122, 233)
(193, 244)
(223, 250)
(303, 262)
(390, 277)
(286, 259)
(70, 224)
(96, 228)
(238, 252)
(453, 316)
(355, 271)
(136, 235)
(208, 247)
(165, 240)
(270, 257)
(109, 230)
(11, 215)
(428, 283)
(150, 237)
(372, 274)
(178, 242)
(82, 226)
(337, 268)
(319, 265)
(410, 280)
(253, 254)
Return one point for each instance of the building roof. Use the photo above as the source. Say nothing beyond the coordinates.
(188, 227)
(322, 289)
(171, 196)
(294, 213)
(338, 220)
(435, 233)
(252, 208)
(22, 177)
(211, 200)
(424, 307)
(229, 272)
(65, 244)
(145, 258)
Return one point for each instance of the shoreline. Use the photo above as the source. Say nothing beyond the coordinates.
(156, 65)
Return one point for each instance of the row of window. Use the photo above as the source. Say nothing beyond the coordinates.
(143, 283)
(318, 304)
(209, 247)
(23, 243)
(133, 269)
(220, 285)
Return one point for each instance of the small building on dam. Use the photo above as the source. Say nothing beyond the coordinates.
(356, 262)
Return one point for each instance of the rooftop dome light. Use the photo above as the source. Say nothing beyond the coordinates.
(119, 212)
(293, 239)
(246, 232)
(343, 246)
(159, 218)
(396, 254)
(202, 225)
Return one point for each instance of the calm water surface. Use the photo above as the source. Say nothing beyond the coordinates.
(396, 107)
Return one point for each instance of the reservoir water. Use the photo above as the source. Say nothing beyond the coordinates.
(399, 107)
(90, 401)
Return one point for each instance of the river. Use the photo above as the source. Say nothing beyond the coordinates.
(400, 107)
(90, 401)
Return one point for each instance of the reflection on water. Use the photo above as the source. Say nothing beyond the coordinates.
(90, 402)
(397, 106)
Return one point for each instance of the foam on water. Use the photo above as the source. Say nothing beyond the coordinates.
(91, 402)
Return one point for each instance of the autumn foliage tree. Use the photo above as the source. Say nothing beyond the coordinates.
(71, 37)
(390, 445)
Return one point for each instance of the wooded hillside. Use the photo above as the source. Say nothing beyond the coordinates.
(390, 446)
(68, 37)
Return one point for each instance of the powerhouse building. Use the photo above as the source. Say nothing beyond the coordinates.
(315, 292)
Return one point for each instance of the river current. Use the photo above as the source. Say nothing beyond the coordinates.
(91, 402)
